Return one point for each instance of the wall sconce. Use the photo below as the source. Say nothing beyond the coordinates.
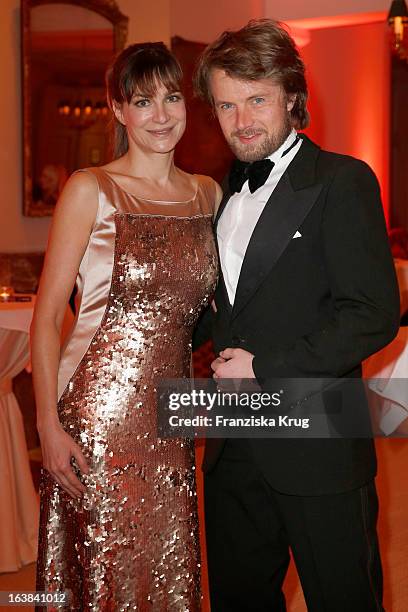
(82, 115)
(398, 22)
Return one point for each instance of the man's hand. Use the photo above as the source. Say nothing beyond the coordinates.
(233, 363)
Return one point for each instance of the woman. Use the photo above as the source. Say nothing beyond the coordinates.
(118, 508)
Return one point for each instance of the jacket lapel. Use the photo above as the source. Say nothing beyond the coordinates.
(284, 212)
(222, 289)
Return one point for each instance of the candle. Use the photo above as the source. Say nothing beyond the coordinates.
(5, 293)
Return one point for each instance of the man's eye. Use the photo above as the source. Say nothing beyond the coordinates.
(259, 100)
(225, 106)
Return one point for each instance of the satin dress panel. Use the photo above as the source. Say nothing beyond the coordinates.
(131, 543)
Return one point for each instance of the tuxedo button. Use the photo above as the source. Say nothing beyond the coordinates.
(238, 341)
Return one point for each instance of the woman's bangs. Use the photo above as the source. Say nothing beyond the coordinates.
(146, 82)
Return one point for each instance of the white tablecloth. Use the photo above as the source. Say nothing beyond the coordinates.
(388, 371)
(17, 315)
(388, 368)
(19, 509)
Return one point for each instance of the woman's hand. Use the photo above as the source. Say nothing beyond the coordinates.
(58, 448)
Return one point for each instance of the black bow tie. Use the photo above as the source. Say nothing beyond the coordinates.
(255, 173)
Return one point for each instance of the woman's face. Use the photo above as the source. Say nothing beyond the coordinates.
(155, 123)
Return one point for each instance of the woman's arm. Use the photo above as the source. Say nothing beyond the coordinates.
(72, 224)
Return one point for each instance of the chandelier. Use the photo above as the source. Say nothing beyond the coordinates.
(81, 115)
(398, 22)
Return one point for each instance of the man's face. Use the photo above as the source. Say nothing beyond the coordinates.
(253, 115)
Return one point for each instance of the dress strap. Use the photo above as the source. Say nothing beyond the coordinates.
(207, 194)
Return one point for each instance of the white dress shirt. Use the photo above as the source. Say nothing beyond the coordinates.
(241, 214)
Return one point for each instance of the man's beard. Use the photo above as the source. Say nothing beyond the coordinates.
(262, 149)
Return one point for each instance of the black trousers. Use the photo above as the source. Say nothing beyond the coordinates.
(250, 528)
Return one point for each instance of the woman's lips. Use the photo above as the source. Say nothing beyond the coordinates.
(160, 133)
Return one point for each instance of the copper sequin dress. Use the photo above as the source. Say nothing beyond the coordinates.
(132, 542)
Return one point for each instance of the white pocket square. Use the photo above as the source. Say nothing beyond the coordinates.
(297, 235)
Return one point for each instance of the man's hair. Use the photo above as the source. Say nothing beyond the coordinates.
(260, 50)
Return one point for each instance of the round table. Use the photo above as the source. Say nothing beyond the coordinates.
(19, 510)
(388, 374)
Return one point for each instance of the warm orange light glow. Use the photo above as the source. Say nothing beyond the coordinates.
(398, 28)
(336, 21)
(301, 36)
(348, 72)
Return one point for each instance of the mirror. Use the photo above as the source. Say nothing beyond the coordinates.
(67, 47)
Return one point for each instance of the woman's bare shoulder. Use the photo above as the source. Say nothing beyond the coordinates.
(82, 181)
(79, 197)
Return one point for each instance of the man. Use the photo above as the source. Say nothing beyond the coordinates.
(307, 289)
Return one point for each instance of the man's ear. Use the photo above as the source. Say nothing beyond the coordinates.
(117, 111)
(290, 102)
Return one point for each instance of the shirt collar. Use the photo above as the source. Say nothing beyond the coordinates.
(276, 155)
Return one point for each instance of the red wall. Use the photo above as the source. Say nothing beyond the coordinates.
(349, 78)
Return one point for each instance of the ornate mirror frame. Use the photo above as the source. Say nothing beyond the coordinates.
(105, 8)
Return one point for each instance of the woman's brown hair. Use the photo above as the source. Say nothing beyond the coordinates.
(140, 68)
(262, 49)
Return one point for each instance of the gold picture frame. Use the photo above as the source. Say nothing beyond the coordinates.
(104, 8)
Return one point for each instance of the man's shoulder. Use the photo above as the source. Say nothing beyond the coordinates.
(340, 159)
(332, 159)
(346, 176)
(325, 166)
(331, 164)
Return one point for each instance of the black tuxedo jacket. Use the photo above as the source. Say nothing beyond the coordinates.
(313, 306)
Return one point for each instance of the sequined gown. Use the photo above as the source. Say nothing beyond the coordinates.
(132, 542)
